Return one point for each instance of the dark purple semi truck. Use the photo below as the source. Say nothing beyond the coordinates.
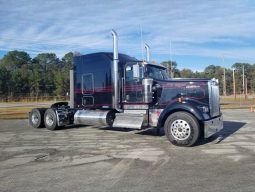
(116, 90)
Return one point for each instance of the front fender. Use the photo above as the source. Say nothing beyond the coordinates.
(188, 107)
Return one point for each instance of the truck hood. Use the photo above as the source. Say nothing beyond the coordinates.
(169, 91)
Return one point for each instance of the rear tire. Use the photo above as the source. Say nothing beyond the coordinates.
(50, 119)
(182, 129)
(36, 118)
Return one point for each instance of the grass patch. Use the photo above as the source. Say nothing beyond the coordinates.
(15, 112)
(21, 112)
(237, 103)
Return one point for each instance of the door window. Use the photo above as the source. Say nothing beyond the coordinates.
(87, 84)
(133, 83)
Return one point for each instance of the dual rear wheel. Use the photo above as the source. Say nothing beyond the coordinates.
(41, 117)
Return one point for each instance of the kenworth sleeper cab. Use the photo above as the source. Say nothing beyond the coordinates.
(116, 90)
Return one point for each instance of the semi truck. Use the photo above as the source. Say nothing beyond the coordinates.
(120, 91)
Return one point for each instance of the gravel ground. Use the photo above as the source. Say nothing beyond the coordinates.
(100, 159)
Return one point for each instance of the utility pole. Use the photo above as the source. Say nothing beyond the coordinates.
(234, 84)
(246, 97)
(224, 76)
(243, 83)
(224, 83)
(171, 65)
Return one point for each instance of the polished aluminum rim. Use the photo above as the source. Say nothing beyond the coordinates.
(49, 119)
(180, 129)
(35, 118)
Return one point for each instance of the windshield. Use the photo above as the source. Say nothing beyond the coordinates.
(155, 72)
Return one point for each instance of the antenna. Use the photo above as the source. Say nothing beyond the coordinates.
(141, 33)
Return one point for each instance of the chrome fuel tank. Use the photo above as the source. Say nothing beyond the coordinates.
(94, 117)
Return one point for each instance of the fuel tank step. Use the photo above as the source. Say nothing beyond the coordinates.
(128, 120)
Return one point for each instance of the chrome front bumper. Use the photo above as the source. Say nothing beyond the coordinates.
(213, 126)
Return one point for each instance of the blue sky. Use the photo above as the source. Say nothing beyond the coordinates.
(201, 32)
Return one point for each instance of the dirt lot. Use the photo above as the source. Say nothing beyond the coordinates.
(100, 159)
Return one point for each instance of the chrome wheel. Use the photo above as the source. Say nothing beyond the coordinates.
(49, 119)
(180, 129)
(35, 118)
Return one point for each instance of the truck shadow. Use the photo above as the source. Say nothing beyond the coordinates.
(71, 127)
(229, 128)
(118, 129)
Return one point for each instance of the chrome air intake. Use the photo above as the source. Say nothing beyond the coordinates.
(147, 84)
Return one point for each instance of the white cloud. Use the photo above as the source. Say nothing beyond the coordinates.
(61, 26)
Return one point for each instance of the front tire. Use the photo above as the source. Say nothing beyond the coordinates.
(50, 119)
(182, 129)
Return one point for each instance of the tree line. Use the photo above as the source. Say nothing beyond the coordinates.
(43, 75)
(48, 75)
(232, 75)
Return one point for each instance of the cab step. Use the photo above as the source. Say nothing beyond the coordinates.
(128, 120)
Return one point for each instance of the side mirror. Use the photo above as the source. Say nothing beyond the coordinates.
(136, 73)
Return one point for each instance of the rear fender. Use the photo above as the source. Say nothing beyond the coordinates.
(59, 104)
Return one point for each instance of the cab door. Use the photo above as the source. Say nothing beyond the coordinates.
(87, 90)
(133, 87)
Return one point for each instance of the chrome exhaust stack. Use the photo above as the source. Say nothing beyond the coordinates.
(115, 98)
(148, 54)
(71, 104)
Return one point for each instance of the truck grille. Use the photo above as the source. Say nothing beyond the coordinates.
(214, 98)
